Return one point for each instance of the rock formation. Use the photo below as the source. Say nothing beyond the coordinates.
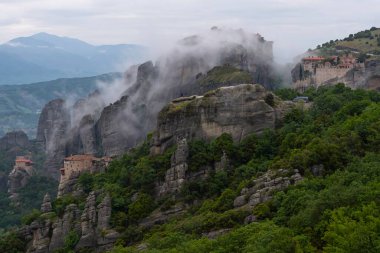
(70, 221)
(88, 223)
(47, 234)
(14, 139)
(238, 110)
(19, 176)
(46, 204)
(176, 175)
(264, 187)
(39, 234)
(98, 125)
(53, 126)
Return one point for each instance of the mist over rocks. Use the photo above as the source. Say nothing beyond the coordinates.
(53, 127)
(120, 114)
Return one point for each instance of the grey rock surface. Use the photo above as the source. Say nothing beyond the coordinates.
(14, 139)
(265, 186)
(176, 175)
(46, 204)
(238, 110)
(53, 126)
(62, 226)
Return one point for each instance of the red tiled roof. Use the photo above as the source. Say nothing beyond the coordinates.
(23, 161)
(313, 58)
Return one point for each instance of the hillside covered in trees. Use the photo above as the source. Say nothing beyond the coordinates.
(365, 43)
(333, 142)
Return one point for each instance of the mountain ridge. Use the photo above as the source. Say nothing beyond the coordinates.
(43, 57)
(21, 104)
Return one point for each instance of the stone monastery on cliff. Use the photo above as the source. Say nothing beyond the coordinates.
(317, 71)
(76, 164)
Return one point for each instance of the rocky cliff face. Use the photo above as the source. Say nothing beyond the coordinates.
(95, 126)
(11, 145)
(14, 139)
(17, 179)
(263, 188)
(91, 225)
(176, 175)
(238, 110)
(53, 127)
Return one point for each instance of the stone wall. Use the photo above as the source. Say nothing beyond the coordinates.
(325, 74)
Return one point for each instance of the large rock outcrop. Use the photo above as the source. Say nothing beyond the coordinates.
(53, 127)
(238, 110)
(92, 225)
(265, 186)
(14, 139)
(17, 179)
(110, 122)
(176, 175)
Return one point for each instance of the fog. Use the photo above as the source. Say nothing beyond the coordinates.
(148, 87)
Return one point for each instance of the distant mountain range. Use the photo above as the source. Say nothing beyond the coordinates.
(43, 57)
(20, 105)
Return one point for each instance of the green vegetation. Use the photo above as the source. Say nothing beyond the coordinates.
(365, 43)
(174, 107)
(337, 211)
(225, 75)
(30, 197)
(71, 239)
(11, 243)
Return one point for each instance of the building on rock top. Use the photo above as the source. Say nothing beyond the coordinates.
(76, 164)
(19, 176)
(315, 71)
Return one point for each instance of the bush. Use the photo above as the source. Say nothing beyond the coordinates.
(11, 243)
(225, 201)
(29, 218)
(61, 203)
(141, 208)
(286, 93)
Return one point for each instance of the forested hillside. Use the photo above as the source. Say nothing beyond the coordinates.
(335, 209)
(334, 142)
(365, 43)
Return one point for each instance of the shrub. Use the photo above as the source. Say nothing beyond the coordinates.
(141, 208)
(29, 218)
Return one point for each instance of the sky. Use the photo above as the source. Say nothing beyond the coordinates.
(293, 25)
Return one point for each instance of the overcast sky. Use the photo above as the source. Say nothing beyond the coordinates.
(294, 25)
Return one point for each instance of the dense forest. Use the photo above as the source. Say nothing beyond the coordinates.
(334, 210)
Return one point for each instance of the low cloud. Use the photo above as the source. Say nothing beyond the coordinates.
(293, 25)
